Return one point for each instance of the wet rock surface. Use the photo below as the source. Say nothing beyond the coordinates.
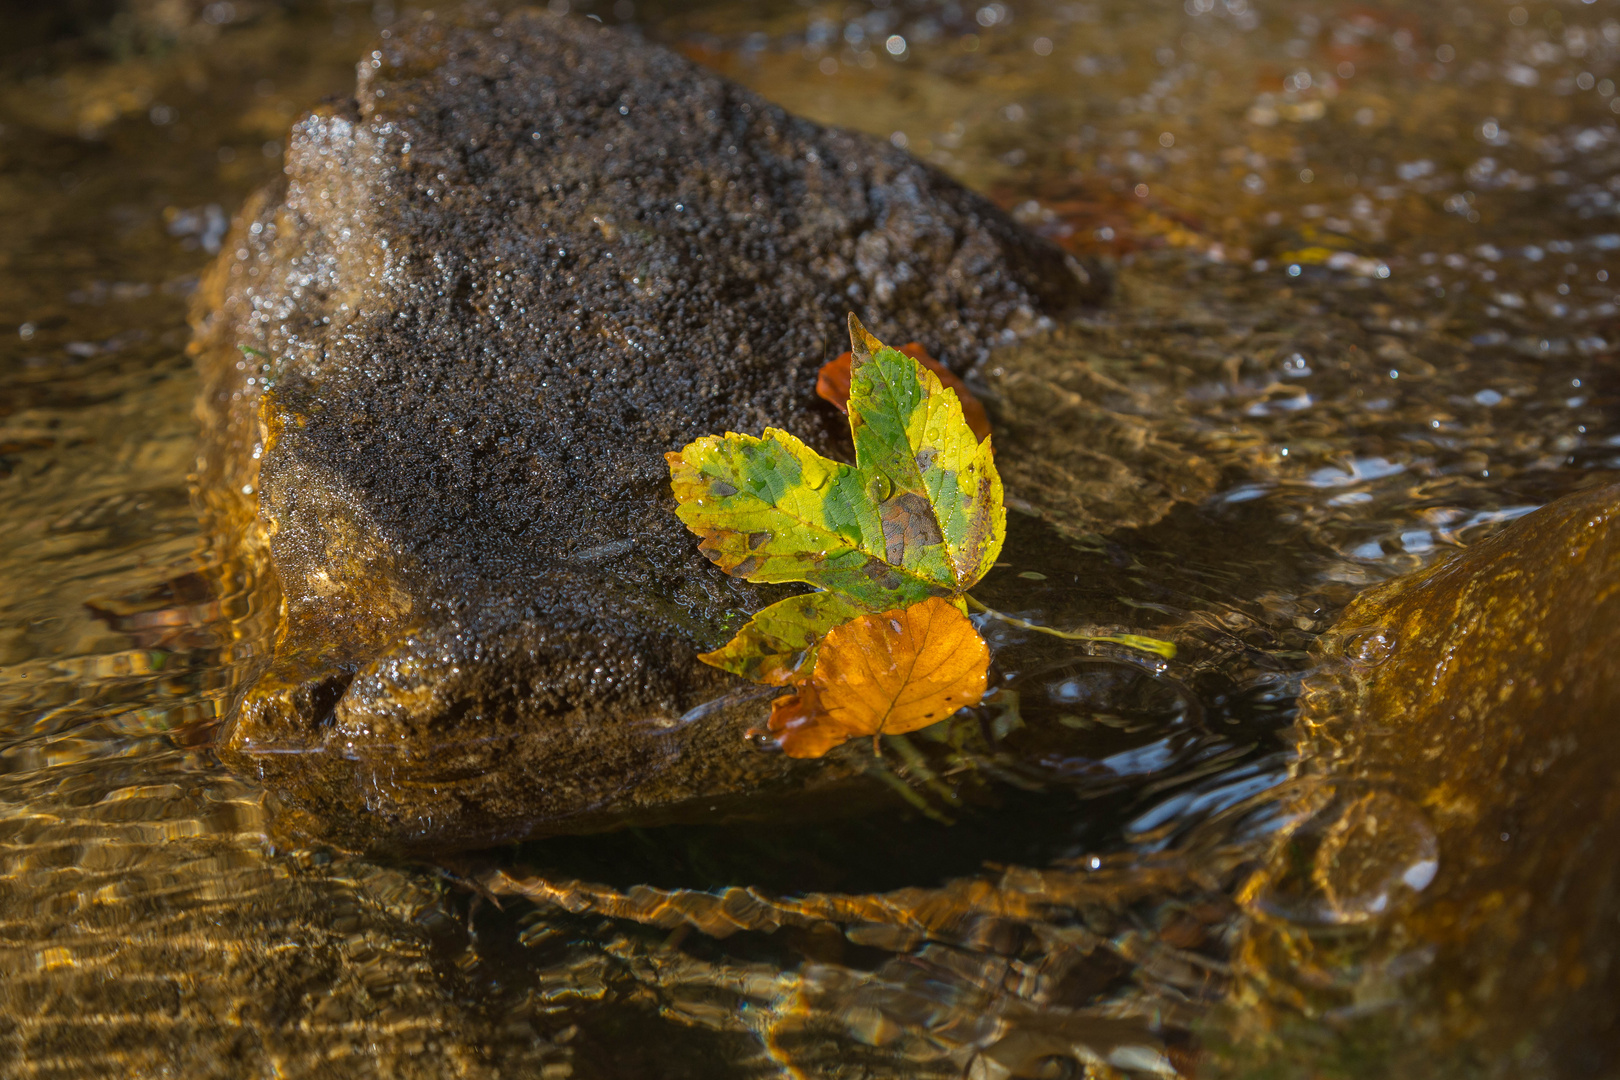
(526, 260)
(1457, 800)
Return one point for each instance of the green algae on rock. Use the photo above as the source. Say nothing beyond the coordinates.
(1458, 801)
(526, 260)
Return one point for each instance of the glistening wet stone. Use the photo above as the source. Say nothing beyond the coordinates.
(526, 260)
(1479, 698)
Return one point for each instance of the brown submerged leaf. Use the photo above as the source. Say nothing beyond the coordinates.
(888, 673)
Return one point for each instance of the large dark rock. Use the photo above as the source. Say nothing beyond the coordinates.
(1446, 894)
(526, 260)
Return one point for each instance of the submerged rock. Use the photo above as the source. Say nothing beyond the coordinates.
(1081, 449)
(1457, 799)
(526, 260)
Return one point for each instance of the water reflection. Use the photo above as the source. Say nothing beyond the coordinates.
(1354, 854)
(1362, 260)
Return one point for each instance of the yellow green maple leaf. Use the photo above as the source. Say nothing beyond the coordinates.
(919, 514)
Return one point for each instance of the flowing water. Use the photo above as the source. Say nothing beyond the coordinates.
(1362, 265)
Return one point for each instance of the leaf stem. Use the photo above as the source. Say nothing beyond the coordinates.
(1153, 645)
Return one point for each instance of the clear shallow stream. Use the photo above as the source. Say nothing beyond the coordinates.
(1362, 259)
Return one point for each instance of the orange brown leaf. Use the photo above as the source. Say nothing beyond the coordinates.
(884, 674)
(832, 384)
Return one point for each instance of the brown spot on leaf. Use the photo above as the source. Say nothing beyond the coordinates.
(882, 575)
(908, 524)
(758, 539)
